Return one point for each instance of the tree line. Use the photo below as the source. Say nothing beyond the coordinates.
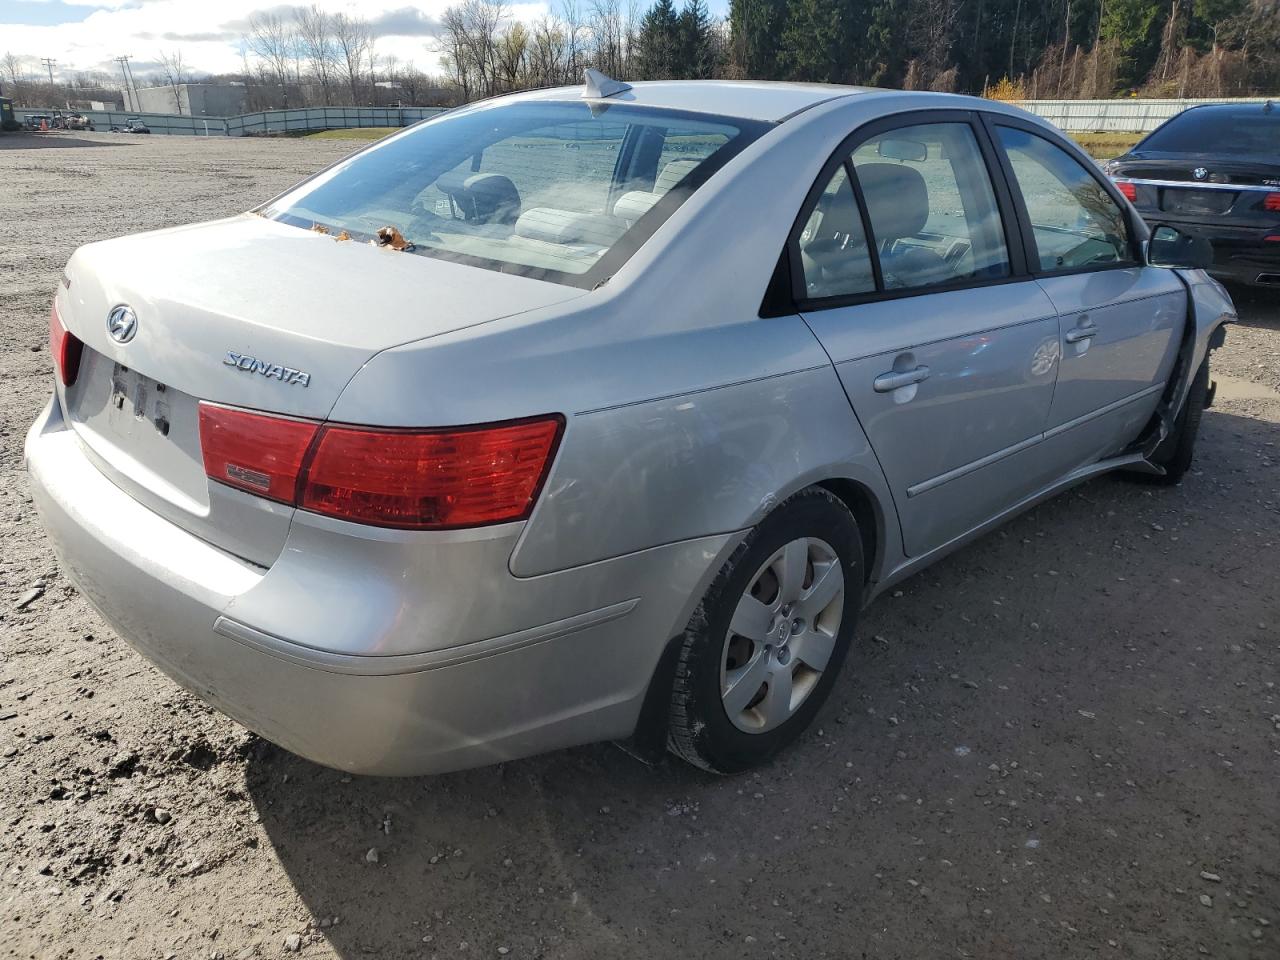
(1018, 48)
(1012, 49)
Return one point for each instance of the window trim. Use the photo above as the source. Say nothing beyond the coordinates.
(1031, 252)
(842, 156)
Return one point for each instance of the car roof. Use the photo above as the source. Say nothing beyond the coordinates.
(1239, 109)
(744, 99)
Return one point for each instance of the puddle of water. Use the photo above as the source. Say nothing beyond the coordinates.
(1233, 388)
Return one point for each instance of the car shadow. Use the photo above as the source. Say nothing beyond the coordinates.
(1021, 648)
(20, 140)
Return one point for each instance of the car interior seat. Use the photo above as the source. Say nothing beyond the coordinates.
(898, 203)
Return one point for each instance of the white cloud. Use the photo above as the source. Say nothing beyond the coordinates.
(207, 33)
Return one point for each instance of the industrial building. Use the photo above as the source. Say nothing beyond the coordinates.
(191, 99)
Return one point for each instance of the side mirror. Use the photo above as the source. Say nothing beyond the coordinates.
(1170, 247)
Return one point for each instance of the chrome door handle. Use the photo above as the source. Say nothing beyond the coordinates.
(1081, 333)
(888, 382)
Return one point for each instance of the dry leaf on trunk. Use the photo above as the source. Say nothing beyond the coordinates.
(320, 228)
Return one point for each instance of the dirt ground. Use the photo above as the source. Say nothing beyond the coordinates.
(1062, 742)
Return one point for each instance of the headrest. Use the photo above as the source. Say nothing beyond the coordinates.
(839, 215)
(897, 199)
(564, 226)
(483, 197)
(634, 204)
(673, 173)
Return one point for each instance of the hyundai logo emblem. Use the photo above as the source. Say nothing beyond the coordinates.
(122, 323)
(1199, 173)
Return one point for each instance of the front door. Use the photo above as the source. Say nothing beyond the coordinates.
(1120, 320)
(908, 279)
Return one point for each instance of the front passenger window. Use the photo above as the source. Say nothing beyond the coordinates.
(1075, 222)
(833, 245)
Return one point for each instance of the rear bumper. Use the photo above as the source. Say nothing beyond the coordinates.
(1240, 255)
(564, 659)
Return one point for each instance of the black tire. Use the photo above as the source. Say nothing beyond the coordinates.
(699, 727)
(1177, 450)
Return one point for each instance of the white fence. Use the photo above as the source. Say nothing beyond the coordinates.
(267, 121)
(1129, 116)
(1078, 116)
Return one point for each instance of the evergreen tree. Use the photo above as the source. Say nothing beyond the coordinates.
(697, 59)
(755, 29)
(658, 43)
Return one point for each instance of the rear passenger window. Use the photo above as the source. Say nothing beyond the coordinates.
(1075, 222)
(931, 205)
(833, 245)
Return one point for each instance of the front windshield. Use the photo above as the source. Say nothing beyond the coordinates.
(1230, 132)
(563, 191)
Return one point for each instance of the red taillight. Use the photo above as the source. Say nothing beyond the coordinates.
(412, 479)
(457, 478)
(1129, 190)
(255, 452)
(1272, 202)
(64, 347)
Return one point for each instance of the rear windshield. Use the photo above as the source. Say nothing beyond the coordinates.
(1224, 132)
(561, 191)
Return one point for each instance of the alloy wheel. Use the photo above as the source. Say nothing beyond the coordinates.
(782, 635)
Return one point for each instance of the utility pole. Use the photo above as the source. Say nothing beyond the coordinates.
(124, 63)
(49, 64)
(137, 104)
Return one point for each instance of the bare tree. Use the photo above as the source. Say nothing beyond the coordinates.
(548, 47)
(316, 46)
(452, 47)
(271, 37)
(11, 69)
(353, 40)
(511, 52)
(608, 33)
(571, 15)
(175, 75)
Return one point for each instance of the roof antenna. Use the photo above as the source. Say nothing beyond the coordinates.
(599, 85)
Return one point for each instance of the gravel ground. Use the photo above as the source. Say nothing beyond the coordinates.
(1062, 742)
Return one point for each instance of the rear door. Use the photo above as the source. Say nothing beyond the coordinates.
(908, 268)
(1119, 320)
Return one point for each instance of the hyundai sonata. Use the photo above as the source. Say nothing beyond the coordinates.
(600, 412)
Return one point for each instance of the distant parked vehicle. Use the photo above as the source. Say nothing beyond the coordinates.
(35, 121)
(78, 121)
(1213, 172)
(132, 125)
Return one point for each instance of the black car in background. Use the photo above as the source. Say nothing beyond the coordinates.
(1214, 171)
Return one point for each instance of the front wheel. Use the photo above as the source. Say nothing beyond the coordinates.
(762, 651)
(1177, 450)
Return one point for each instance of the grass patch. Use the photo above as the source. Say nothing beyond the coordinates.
(1104, 146)
(353, 133)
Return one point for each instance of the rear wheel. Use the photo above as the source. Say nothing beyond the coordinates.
(762, 650)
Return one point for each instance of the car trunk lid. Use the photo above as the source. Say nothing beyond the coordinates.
(248, 313)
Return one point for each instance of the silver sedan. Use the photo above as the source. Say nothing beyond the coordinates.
(600, 412)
